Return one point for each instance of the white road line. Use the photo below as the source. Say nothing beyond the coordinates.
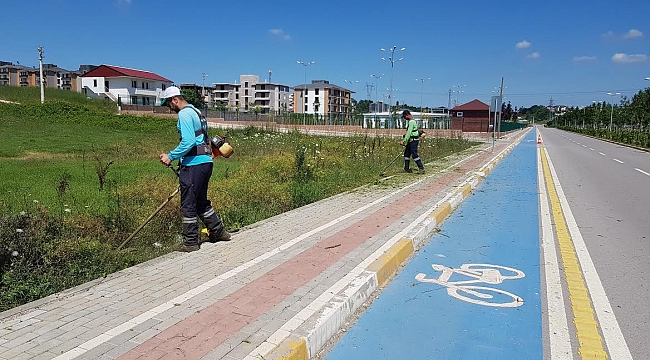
(108, 335)
(603, 154)
(584, 146)
(558, 328)
(609, 325)
(641, 171)
(619, 161)
(591, 149)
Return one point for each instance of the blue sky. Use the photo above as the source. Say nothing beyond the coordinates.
(572, 51)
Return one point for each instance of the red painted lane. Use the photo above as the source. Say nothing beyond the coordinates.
(197, 335)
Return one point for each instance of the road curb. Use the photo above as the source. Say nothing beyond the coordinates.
(307, 332)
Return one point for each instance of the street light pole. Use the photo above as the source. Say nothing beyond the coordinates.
(422, 92)
(595, 118)
(392, 60)
(611, 116)
(304, 91)
(377, 77)
(459, 91)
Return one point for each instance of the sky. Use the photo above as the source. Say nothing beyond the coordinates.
(573, 52)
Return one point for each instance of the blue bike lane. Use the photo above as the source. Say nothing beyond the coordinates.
(473, 291)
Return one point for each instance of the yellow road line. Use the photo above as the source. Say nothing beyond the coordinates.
(587, 328)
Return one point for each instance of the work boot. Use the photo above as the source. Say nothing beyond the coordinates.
(408, 170)
(220, 235)
(421, 170)
(187, 248)
(190, 236)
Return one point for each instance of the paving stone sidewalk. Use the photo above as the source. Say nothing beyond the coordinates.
(237, 299)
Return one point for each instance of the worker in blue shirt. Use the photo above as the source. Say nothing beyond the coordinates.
(411, 141)
(194, 153)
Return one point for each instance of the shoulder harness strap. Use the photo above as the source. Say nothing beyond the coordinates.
(205, 148)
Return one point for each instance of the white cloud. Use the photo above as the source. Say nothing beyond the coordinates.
(534, 55)
(609, 35)
(584, 58)
(523, 44)
(629, 58)
(279, 33)
(633, 33)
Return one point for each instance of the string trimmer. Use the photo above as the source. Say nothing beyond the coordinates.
(155, 212)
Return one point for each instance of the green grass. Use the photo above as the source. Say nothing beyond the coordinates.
(60, 227)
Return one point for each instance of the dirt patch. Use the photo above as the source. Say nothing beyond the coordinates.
(35, 155)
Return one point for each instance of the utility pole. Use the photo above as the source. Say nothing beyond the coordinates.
(550, 109)
(203, 75)
(40, 63)
(501, 97)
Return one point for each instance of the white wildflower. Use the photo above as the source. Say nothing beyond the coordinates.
(20, 231)
(22, 213)
(35, 201)
(14, 253)
(157, 245)
(67, 210)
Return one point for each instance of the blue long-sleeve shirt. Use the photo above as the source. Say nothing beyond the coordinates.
(188, 124)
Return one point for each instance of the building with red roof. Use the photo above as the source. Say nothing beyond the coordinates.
(124, 85)
(474, 116)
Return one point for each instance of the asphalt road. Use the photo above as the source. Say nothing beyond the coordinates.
(607, 187)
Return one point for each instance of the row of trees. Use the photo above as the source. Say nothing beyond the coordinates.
(629, 114)
(627, 122)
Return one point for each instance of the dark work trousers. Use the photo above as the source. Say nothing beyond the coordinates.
(411, 150)
(194, 202)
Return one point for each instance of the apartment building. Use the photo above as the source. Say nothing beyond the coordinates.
(54, 76)
(226, 94)
(251, 93)
(273, 98)
(322, 98)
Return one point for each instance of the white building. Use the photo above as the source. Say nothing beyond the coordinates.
(322, 98)
(130, 86)
(437, 119)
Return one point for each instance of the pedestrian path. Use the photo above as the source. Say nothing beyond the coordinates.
(473, 291)
(282, 286)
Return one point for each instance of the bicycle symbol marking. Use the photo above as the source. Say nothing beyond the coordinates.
(481, 273)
